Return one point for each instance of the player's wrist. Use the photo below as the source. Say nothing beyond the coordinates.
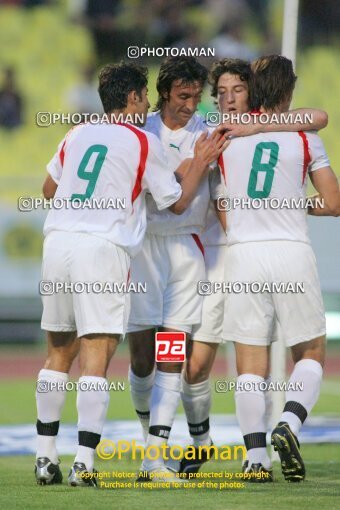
(201, 162)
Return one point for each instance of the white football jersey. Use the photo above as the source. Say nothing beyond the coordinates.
(265, 182)
(178, 145)
(213, 234)
(111, 164)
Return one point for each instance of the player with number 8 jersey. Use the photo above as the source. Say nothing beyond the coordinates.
(268, 243)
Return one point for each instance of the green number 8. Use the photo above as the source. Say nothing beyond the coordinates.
(268, 168)
(92, 175)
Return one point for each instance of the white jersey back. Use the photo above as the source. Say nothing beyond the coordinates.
(178, 145)
(110, 164)
(265, 182)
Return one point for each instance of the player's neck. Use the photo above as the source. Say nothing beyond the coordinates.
(171, 122)
(122, 115)
(270, 111)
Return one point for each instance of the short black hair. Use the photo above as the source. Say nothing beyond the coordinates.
(186, 69)
(116, 81)
(273, 81)
(233, 66)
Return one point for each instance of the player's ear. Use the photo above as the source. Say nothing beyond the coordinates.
(132, 97)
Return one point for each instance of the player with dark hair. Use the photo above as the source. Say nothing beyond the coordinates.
(230, 81)
(171, 263)
(269, 246)
(184, 69)
(100, 161)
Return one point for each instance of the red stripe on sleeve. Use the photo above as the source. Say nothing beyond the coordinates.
(198, 242)
(62, 154)
(144, 149)
(306, 155)
(220, 162)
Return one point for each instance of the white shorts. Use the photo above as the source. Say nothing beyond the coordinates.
(170, 266)
(210, 329)
(74, 257)
(249, 317)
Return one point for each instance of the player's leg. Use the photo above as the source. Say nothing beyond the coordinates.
(252, 368)
(206, 336)
(50, 399)
(96, 352)
(304, 383)
(146, 314)
(165, 397)
(101, 319)
(59, 321)
(196, 394)
(248, 322)
(196, 400)
(303, 327)
(142, 373)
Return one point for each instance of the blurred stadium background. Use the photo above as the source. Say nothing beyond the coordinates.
(50, 54)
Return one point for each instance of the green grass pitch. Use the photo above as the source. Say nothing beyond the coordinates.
(321, 488)
(19, 490)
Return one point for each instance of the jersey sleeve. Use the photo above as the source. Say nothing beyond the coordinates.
(215, 184)
(158, 178)
(317, 151)
(55, 166)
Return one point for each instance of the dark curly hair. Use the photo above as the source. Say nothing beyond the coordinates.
(116, 81)
(233, 66)
(186, 69)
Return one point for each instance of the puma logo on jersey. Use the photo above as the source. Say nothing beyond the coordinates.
(174, 146)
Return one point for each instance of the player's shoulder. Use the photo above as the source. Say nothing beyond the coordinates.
(196, 123)
(153, 122)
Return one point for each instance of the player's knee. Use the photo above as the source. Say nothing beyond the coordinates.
(314, 349)
(196, 373)
(59, 361)
(142, 367)
(170, 368)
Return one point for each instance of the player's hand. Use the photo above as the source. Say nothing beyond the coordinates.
(208, 148)
(233, 129)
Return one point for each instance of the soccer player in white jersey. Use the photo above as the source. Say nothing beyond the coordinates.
(271, 245)
(171, 261)
(172, 264)
(229, 80)
(102, 161)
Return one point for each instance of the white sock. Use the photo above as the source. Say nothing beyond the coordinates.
(165, 398)
(196, 399)
(49, 406)
(299, 403)
(141, 388)
(250, 412)
(92, 408)
(268, 397)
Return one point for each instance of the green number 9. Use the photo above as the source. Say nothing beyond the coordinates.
(90, 175)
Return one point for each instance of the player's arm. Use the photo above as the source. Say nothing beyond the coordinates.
(207, 150)
(55, 169)
(49, 187)
(160, 180)
(327, 201)
(221, 214)
(182, 169)
(291, 121)
(216, 189)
